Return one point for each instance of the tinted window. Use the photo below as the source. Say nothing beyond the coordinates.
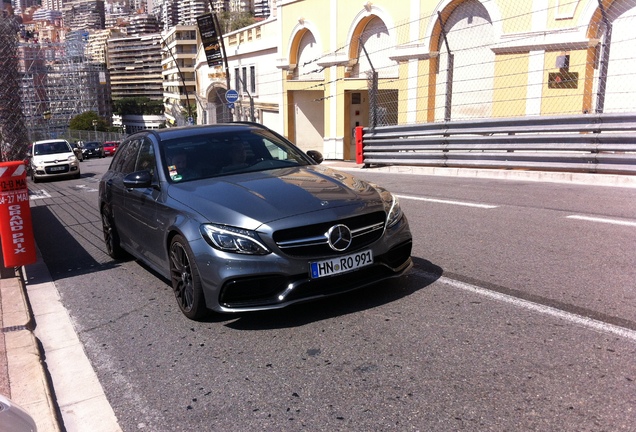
(146, 158)
(126, 156)
(215, 154)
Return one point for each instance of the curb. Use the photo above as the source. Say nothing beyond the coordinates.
(79, 396)
(612, 180)
(28, 381)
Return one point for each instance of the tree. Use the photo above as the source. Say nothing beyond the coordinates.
(84, 121)
(230, 21)
(137, 106)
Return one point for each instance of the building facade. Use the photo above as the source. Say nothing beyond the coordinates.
(179, 89)
(345, 63)
(134, 64)
(446, 60)
(252, 54)
(84, 14)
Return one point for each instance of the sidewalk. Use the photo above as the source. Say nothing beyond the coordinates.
(23, 378)
(43, 366)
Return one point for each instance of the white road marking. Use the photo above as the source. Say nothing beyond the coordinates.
(38, 194)
(435, 200)
(536, 307)
(602, 220)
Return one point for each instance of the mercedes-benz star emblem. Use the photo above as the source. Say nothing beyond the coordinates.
(339, 237)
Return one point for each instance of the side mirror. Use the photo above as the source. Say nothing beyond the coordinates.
(138, 180)
(315, 155)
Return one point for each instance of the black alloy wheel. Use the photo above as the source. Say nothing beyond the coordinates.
(185, 279)
(111, 236)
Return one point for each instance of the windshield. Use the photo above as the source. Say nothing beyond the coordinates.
(52, 147)
(91, 145)
(218, 154)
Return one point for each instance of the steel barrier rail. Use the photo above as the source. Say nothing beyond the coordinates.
(600, 143)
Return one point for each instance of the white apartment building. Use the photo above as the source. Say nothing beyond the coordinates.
(252, 54)
(189, 10)
(134, 63)
(177, 66)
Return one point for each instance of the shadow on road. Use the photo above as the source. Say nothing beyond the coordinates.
(355, 301)
(63, 254)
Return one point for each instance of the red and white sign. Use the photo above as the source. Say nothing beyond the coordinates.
(16, 228)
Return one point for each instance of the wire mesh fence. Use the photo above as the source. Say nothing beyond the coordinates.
(13, 134)
(481, 67)
(483, 59)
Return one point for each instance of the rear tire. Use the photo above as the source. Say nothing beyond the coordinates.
(185, 279)
(111, 237)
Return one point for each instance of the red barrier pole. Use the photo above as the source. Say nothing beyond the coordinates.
(16, 229)
(359, 155)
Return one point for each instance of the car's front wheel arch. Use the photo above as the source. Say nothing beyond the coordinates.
(185, 278)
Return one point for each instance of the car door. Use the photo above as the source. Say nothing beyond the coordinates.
(116, 193)
(142, 205)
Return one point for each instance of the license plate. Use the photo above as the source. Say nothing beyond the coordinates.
(57, 168)
(341, 264)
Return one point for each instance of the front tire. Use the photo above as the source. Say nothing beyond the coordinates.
(185, 279)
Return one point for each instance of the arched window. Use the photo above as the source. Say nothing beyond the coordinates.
(379, 45)
(470, 36)
(308, 55)
(620, 86)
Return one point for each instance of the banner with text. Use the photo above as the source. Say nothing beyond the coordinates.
(210, 39)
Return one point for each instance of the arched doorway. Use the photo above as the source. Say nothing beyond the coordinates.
(615, 92)
(217, 110)
(470, 35)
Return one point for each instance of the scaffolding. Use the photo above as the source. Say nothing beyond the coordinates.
(58, 82)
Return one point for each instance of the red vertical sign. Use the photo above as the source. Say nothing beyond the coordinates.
(359, 145)
(16, 229)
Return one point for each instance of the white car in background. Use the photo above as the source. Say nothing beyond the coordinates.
(53, 159)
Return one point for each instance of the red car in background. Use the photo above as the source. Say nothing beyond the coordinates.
(110, 147)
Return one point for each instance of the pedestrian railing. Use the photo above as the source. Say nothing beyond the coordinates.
(600, 143)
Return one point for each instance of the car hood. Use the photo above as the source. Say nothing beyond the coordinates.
(52, 158)
(252, 199)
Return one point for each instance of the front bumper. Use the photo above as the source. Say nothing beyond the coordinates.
(251, 283)
(56, 170)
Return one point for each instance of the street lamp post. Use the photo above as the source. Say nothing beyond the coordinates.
(47, 116)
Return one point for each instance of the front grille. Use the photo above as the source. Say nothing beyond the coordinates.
(263, 291)
(56, 169)
(311, 240)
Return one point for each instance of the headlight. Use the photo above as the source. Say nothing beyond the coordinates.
(395, 213)
(231, 239)
(72, 158)
(392, 206)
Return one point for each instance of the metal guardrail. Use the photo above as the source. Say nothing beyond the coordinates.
(597, 143)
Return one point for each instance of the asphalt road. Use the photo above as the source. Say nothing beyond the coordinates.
(520, 314)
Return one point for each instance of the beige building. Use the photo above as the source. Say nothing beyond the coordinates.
(97, 41)
(177, 68)
(435, 61)
(134, 63)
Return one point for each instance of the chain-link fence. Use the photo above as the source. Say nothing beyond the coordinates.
(488, 59)
(13, 134)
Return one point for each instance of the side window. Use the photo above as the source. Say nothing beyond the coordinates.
(129, 156)
(146, 159)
